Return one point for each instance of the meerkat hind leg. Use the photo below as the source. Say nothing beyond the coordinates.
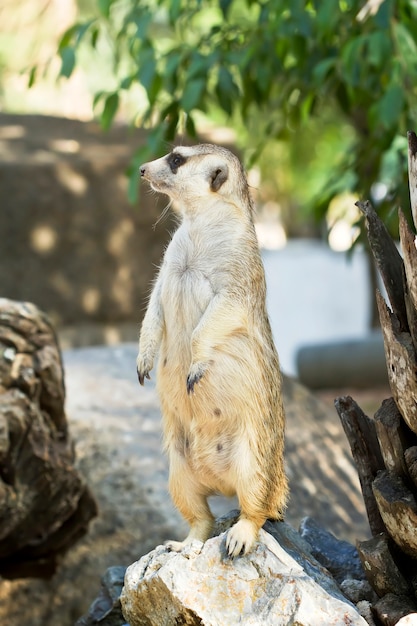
(200, 530)
(191, 503)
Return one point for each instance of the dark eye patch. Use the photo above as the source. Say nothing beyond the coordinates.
(175, 160)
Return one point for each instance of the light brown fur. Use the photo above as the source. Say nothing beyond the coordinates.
(218, 374)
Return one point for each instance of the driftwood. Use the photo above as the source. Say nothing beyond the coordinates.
(392, 437)
(380, 567)
(361, 434)
(44, 503)
(398, 508)
(388, 260)
(410, 457)
(392, 607)
(390, 486)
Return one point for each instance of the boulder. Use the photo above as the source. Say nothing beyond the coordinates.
(338, 556)
(45, 505)
(278, 583)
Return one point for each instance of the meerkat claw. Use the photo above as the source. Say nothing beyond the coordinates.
(142, 376)
(191, 382)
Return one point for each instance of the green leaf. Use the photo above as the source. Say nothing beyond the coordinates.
(104, 7)
(67, 55)
(68, 38)
(109, 111)
(322, 69)
(389, 108)
(147, 67)
(352, 59)
(82, 29)
(379, 49)
(94, 36)
(32, 76)
(190, 126)
(192, 93)
(199, 66)
(174, 11)
(225, 7)
(141, 156)
(226, 90)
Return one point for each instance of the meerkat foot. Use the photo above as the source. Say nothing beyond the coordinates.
(241, 537)
(200, 531)
(175, 546)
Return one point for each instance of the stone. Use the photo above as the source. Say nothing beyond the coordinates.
(358, 591)
(365, 609)
(408, 620)
(45, 505)
(340, 557)
(272, 585)
(106, 609)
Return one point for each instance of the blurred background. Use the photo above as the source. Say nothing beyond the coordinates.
(316, 98)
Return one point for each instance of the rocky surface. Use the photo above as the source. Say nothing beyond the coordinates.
(278, 583)
(116, 428)
(45, 505)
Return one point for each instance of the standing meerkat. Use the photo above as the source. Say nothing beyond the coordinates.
(218, 374)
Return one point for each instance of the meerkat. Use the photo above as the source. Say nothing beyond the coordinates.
(218, 376)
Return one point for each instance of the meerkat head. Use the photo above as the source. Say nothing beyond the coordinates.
(193, 173)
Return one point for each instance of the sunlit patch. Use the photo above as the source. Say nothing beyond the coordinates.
(342, 218)
(66, 146)
(91, 300)
(72, 180)
(43, 239)
(271, 235)
(12, 131)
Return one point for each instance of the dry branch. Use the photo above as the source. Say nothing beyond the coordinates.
(388, 260)
(361, 433)
(401, 363)
(398, 508)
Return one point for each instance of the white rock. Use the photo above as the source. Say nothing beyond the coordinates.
(408, 620)
(201, 585)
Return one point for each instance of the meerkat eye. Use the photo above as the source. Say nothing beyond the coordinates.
(175, 160)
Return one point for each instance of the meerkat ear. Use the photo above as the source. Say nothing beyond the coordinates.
(218, 176)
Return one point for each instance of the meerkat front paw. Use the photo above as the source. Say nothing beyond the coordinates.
(143, 367)
(241, 537)
(195, 374)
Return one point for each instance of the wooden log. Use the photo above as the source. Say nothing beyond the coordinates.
(401, 363)
(380, 568)
(408, 246)
(388, 260)
(410, 457)
(392, 437)
(398, 509)
(361, 433)
(412, 173)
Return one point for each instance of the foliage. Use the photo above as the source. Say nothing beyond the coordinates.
(269, 67)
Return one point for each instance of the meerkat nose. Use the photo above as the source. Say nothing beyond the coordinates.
(142, 170)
